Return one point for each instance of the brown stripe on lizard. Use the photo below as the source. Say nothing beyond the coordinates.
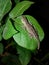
(31, 30)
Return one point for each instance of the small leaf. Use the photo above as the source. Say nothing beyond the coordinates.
(0, 37)
(11, 60)
(24, 55)
(9, 30)
(22, 38)
(5, 6)
(1, 31)
(1, 48)
(25, 0)
(17, 1)
(20, 8)
(37, 26)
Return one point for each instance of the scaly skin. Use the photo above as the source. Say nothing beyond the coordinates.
(32, 32)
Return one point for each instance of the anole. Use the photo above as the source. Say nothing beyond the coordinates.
(31, 30)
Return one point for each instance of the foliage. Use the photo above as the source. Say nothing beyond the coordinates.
(14, 33)
(1, 48)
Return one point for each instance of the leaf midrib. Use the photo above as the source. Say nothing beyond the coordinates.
(22, 7)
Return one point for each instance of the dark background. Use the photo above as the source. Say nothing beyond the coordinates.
(40, 10)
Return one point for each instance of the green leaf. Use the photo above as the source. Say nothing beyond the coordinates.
(0, 34)
(22, 38)
(24, 55)
(9, 30)
(25, 0)
(17, 1)
(11, 60)
(0, 37)
(1, 31)
(37, 26)
(5, 6)
(20, 8)
(1, 48)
